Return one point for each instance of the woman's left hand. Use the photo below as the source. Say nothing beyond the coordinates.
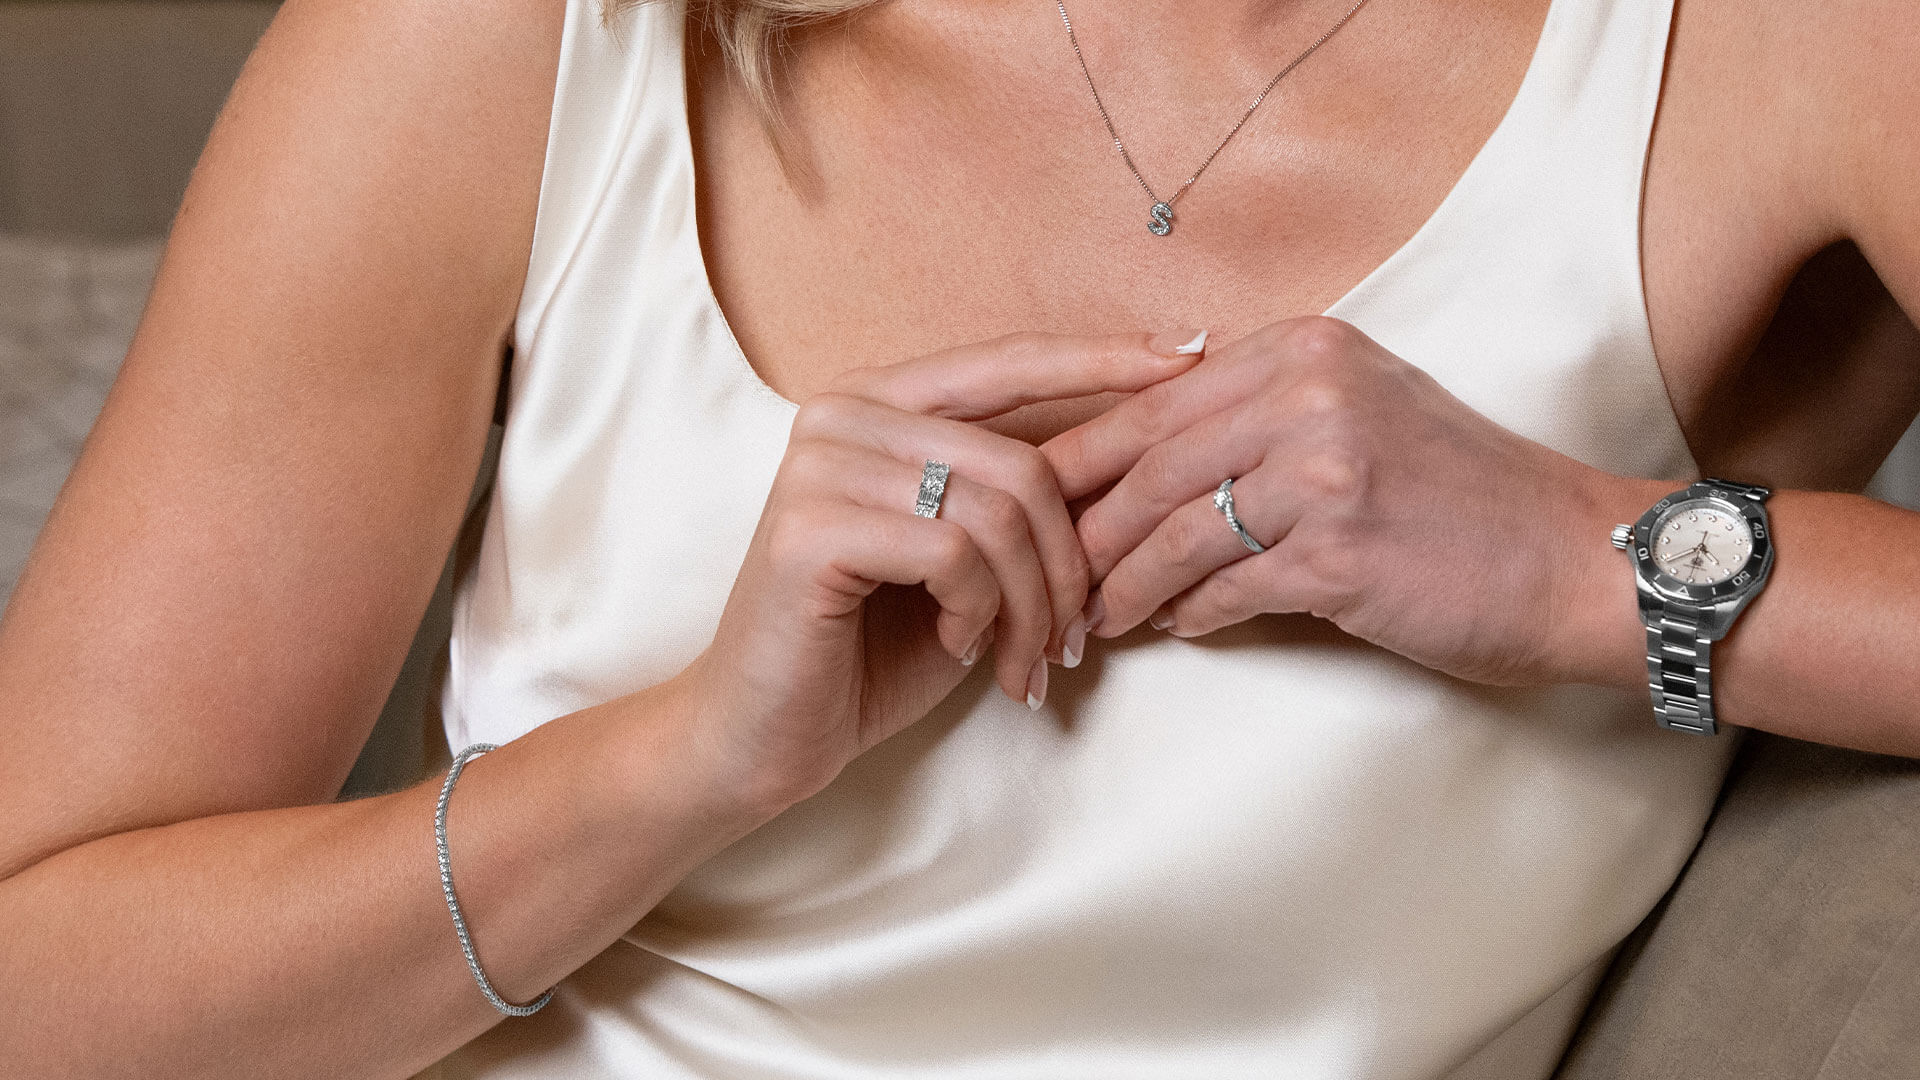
(1385, 503)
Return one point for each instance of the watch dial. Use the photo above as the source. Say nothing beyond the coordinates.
(1702, 544)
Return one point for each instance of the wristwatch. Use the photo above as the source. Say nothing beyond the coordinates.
(1699, 556)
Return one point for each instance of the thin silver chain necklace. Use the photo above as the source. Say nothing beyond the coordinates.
(1161, 222)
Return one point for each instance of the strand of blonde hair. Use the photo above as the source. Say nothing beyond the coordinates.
(752, 35)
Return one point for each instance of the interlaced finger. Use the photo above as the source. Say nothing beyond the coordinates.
(986, 379)
(995, 521)
(1193, 543)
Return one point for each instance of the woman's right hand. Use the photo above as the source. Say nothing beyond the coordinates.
(815, 658)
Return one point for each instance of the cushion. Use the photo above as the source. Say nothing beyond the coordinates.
(1790, 947)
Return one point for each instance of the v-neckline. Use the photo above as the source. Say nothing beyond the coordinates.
(683, 132)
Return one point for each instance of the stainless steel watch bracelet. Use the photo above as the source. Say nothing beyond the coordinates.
(1679, 652)
(1678, 671)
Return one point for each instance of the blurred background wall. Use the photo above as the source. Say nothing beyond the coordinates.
(104, 106)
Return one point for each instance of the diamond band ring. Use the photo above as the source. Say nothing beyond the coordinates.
(1223, 500)
(933, 486)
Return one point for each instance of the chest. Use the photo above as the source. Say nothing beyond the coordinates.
(935, 193)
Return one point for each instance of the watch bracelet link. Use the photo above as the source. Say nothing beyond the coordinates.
(1679, 669)
(1678, 672)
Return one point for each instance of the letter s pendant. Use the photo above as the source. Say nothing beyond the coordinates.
(1162, 222)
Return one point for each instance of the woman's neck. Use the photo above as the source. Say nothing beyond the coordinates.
(1205, 52)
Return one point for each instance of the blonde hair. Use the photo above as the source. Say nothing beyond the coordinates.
(752, 35)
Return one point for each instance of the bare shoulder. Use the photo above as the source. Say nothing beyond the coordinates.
(228, 583)
(451, 96)
(1783, 129)
(1865, 75)
(1809, 112)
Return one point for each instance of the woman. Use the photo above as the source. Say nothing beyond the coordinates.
(1378, 802)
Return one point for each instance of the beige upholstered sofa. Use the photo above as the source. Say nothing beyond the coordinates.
(1788, 950)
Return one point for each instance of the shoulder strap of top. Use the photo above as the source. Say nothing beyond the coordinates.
(1601, 64)
(1563, 167)
(599, 102)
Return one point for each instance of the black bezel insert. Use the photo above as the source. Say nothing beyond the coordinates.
(1758, 561)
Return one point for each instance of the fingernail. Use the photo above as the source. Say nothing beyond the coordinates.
(1161, 620)
(1037, 683)
(1074, 642)
(973, 650)
(1179, 342)
(1095, 610)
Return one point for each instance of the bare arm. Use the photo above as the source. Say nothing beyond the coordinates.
(229, 581)
(1826, 652)
(1830, 651)
(313, 941)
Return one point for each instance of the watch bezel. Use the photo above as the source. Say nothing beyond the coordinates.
(1750, 575)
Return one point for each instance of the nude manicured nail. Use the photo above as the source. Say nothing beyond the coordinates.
(1180, 342)
(1037, 684)
(981, 642)
(1073, 643)
(1161, 620)
(1095, 610)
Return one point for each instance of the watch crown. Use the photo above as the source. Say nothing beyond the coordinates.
(1623, 536)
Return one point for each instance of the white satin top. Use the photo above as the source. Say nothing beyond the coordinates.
(1259, 853)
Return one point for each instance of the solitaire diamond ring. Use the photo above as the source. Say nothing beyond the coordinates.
(1223, 500)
